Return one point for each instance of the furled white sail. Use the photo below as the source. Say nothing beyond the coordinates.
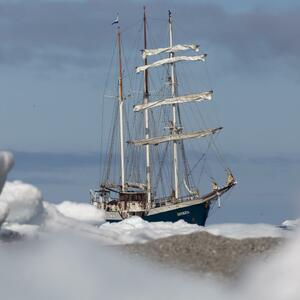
(175, 137)
(136, 185)
(180, 47)
(171, 60)
(176, 100)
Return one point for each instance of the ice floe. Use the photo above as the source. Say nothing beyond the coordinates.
(241, 231)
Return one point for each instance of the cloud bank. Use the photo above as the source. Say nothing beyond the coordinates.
(59, 33)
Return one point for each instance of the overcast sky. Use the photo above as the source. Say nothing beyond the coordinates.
(53, 61)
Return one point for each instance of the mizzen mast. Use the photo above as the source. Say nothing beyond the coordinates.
(146, 117)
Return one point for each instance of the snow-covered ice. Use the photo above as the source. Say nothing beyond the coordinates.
(136, 230)
(240, 231)
(82, 212)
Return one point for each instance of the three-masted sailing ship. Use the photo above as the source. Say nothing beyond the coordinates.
(149, 196)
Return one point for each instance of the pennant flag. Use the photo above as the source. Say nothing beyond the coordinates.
(116, 21)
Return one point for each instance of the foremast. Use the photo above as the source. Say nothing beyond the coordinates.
(121, 111)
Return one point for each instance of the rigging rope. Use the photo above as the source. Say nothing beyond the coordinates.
(102, 111)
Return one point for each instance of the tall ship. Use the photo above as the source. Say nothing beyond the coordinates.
(156, 164)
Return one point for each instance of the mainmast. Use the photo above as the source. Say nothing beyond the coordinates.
(121, 112)
(174, 111)
(146, 117)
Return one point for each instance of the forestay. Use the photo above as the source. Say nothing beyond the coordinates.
(175, 137)
(176, 48)
(171, 60)
(199, 97)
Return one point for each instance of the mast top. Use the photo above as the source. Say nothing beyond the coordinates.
(170, 17)
(116, 21)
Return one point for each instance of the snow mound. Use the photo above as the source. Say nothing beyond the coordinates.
(136, 230)
(55, 222)
(82, 212)
(24, 202)
(6, 163)
(242, 231)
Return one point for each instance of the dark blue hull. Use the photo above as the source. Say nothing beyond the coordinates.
(193, 211)
(193, 214)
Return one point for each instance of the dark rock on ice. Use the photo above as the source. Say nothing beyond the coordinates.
(206, 253)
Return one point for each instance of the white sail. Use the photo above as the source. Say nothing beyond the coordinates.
(175, 137)
(176, 48)
(136, 185)
(171, 60)
(199, 97)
